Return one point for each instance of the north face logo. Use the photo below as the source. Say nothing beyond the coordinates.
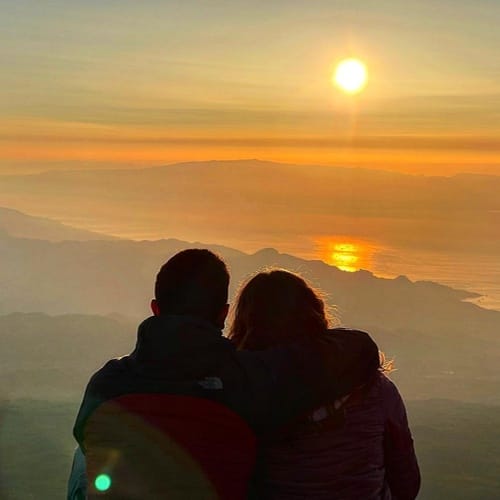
(211, 383)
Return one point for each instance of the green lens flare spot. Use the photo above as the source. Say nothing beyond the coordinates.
(102, 482)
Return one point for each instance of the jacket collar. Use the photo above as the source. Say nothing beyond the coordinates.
(162, 338)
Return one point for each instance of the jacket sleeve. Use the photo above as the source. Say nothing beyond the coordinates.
(77, 484)
(402, 471)
(307, 374)
(89, 403)
(98, 390)
(350, 359)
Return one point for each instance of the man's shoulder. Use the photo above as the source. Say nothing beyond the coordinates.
(109, 374)
(390, 394)
(105, 383)
(112, 366)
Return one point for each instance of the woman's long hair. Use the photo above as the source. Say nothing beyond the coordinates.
(276, 307)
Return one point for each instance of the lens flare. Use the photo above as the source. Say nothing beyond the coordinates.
(102, 482)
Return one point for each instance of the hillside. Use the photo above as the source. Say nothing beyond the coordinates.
(20, 225)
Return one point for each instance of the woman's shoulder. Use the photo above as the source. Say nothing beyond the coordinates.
(382, 384)
(380, 387)
(392, 401)
(386, 385)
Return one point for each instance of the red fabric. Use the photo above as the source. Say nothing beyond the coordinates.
(203, 436)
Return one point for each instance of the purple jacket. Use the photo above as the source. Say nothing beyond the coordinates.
(361, 450)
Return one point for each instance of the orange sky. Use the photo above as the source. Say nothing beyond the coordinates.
(159, 82)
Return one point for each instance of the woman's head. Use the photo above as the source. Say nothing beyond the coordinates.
(276, 307)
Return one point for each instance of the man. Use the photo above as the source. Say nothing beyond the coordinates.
(178, 417)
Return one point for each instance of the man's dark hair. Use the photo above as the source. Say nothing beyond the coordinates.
(193, 282)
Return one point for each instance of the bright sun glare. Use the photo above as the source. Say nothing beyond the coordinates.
(345, 253)
(345, 256)
(350, 76)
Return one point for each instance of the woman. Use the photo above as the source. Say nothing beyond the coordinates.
(358, 447)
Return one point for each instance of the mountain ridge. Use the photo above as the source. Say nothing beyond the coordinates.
(255, 162)
(21, 225)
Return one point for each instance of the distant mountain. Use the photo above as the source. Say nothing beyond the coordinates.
(20, 225)
(264, 203)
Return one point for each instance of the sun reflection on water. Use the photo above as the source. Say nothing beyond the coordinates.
(346, 254)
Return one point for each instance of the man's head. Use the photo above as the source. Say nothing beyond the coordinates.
(193, 282)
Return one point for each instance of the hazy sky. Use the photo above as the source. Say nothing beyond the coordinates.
(144, 83)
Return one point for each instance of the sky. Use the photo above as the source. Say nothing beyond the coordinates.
(124, 83)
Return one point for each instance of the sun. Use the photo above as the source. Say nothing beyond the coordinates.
(350, 76)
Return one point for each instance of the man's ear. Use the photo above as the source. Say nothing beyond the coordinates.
(155, 308)
(222, 316)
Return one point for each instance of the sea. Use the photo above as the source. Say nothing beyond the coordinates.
(475, 273)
